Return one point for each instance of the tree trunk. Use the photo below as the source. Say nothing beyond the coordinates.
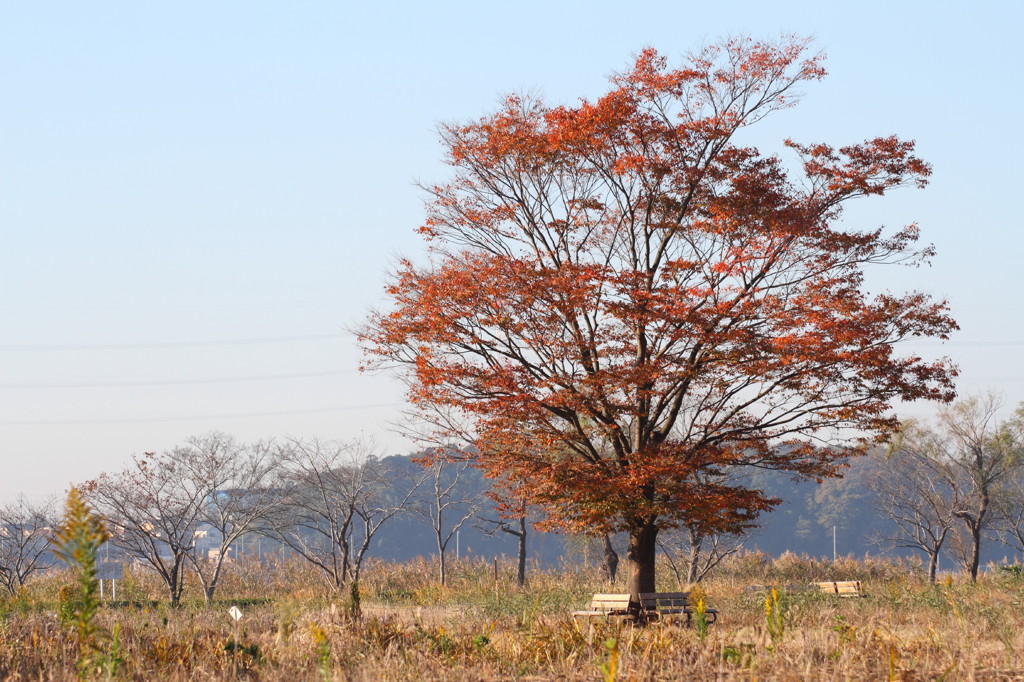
(640, 555)
(210, 586)
(975, 552)
(694, 559)
(933, 566)
(521, 572)
(980, 522)
(611, 559)
(175, 584)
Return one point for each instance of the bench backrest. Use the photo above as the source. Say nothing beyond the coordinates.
(850, 587)
(656, 601)
(612, 602)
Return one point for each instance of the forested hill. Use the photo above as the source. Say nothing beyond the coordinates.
(806, 521)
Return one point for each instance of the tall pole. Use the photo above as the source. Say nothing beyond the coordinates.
(833, 543)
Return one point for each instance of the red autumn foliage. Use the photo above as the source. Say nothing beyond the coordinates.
(621, 303)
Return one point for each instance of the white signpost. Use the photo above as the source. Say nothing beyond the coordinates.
(236, 615)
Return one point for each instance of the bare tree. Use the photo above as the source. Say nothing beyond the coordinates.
(26, 532)
(239, 493)
(161, 506)
(913, 490)
(970, 457)
(706, 539)
(338, 497)
(448, 496)
(511, 514)
(517, 528)
(701, 550)
(983, 453)
(1008, 511)
(153, 508)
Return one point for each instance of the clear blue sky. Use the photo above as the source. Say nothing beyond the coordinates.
(178, 175)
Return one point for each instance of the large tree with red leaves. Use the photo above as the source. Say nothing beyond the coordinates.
(621, 303)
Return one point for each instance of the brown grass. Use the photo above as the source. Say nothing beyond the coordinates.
(411, 628)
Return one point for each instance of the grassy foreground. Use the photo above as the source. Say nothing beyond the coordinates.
(479, 628)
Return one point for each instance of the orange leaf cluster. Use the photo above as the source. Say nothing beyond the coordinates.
(623, 306)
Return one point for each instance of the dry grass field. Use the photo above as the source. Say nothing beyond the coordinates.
(478, 628)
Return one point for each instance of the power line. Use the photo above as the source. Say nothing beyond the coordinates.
(181, 382)
(321, 337)
(147, 420)
(994, 380)
(279, 377)
(943, 344)
(36, 310)
(168, 344)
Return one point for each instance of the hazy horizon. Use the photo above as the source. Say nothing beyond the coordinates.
(197, 202)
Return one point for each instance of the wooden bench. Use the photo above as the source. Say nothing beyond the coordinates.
(611, 606)
(660, 607)
(843, 588)
(648, 607)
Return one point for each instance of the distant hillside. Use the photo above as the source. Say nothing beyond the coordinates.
(803, 523)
